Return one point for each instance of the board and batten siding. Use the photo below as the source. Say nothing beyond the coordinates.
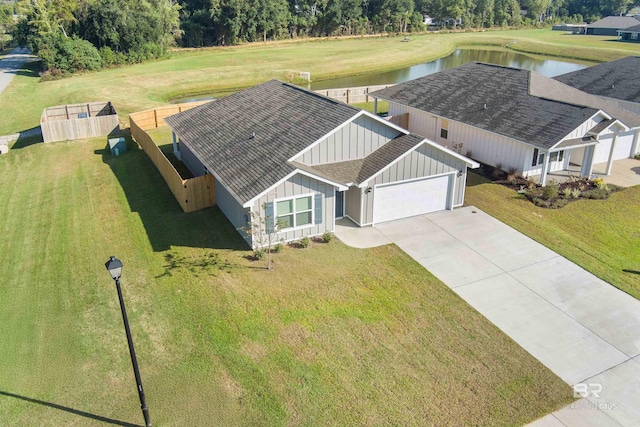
(353, 202)
(355, 140)
(424, 161)
(584, 128)
(233, 210)
(299, 185)
(191, 161)
(484, 146)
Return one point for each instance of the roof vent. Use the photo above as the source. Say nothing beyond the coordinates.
(253, 135)
(613, 86)
(484, 107)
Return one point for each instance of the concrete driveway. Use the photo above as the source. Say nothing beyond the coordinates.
(580, 327)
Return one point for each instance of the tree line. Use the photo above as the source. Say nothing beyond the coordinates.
(73, 35)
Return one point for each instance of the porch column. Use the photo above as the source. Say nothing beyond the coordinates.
(613, 146)
(587, 161)
(176, 152)
(634, 144)
(545, 169)
(375, 106)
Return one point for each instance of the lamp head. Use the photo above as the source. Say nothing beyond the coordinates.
(114, 265)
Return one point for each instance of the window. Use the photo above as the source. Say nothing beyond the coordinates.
(534, 162)
(293, 213)
(553, 157)
(540, 158)
(444, 129)
(560, 155)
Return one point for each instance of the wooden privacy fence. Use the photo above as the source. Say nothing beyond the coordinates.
(352, 95)
(76, 121)
(192, 194)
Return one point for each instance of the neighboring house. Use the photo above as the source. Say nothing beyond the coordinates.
(630, 34)
(302, 160)
(610, 25)
(515, 119)
(617, 82)
(427, 20)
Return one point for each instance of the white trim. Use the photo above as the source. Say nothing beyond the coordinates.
(353, 220)
(469, 162)
(387, 184)
(351, 120)
(250, 202)
(321, 179)
(294, 212)
(322, 138)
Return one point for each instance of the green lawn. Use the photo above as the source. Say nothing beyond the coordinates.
(332, 336)
(193, 71)
(602, 236)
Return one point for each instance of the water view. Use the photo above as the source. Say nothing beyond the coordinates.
(540, 64)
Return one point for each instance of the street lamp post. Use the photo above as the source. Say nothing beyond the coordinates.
(114, 265)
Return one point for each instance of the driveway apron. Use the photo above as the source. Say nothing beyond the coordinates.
(582, 328)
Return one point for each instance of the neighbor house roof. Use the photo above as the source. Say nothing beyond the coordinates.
(634, 29)
(246, 138)
(618, 79)
(493, 98)
(617, 22)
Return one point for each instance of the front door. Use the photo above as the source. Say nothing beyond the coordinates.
(339, 204)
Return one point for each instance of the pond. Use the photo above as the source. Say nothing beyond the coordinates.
(540, 64)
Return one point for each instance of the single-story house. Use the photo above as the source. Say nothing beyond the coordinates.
(617, 82)
(516, 119)
(610, 25)
(300, 160)
(629, 34)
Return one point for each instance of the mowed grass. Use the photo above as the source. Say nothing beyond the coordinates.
(601, 236)
(217, 70)
(332, 336)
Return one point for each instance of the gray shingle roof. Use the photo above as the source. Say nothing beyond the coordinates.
(360, 170)
(284, 118)
(618, 79)
(617, 22)
(461, 93)
(634, 29)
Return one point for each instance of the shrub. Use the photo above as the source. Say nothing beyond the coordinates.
(327, 237)
(637, 156)
(511, 175)
(596, 193)
(531, 183)
(304, 242)
(497, 171)
(277, 248)
(258, 254)
(599, 182)
(550, 190)
(566, 192)
(575, 193)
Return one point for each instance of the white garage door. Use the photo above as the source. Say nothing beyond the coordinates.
(404, 199)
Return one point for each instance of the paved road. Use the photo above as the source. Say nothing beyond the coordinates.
(10, 64)
(580, 327)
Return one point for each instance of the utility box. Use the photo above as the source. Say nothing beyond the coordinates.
(117, 145)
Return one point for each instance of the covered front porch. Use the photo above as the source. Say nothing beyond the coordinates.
(624, 172)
